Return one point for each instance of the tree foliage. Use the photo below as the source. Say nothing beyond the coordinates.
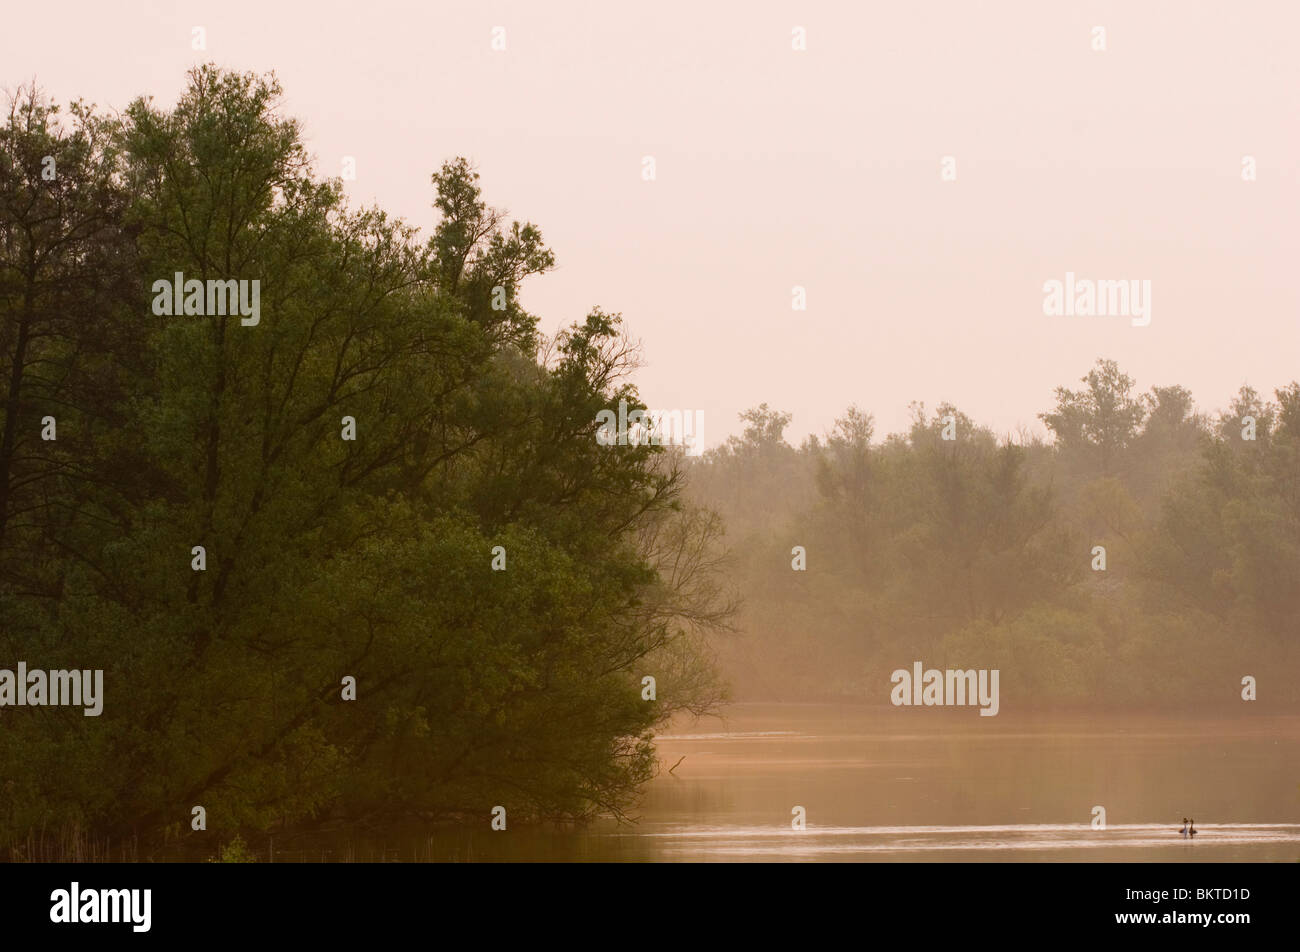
(979, 551)
(325, 557)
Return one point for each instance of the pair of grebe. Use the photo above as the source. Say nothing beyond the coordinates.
(1189, 827)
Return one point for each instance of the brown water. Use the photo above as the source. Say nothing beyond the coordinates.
(925, 784)
(907, 784)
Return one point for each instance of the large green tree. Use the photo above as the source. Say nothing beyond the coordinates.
(322, 494)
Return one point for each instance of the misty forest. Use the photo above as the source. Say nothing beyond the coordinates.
(366, 563)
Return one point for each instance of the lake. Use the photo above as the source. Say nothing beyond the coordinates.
(907, 784)
(928, 784)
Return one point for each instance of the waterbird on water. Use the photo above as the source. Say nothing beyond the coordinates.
(1191, 830)
(1183, 831)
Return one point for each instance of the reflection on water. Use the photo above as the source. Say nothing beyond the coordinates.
(907, 784)
(901, 784)
(766, 843)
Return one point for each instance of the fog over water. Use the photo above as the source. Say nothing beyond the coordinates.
(336, 351)
(880, 787)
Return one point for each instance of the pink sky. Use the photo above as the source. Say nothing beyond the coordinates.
(820, 168)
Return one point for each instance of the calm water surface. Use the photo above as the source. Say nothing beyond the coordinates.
(901, 784)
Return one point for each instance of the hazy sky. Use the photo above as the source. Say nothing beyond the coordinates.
(818, 168)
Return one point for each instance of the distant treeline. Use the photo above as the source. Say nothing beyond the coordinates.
(984, 552)
(316, 497)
